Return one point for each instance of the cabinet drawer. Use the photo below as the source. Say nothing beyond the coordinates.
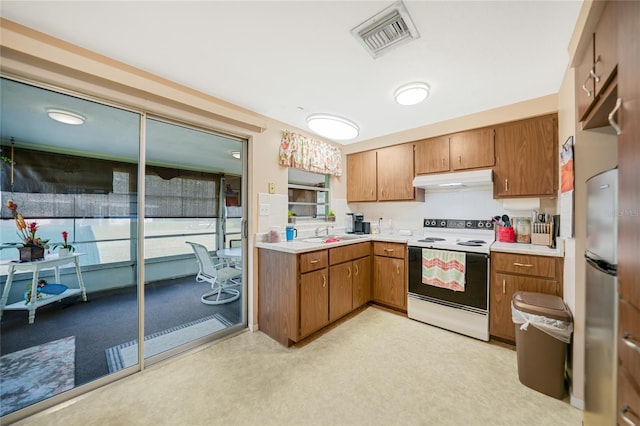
(381, 248)
(539, 266)
(628, 404)
(350, 252)
(629, 338)
(314, 260)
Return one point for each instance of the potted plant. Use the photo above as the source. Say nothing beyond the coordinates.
(32, 246)
(331, 216)
(64, 248)
(291, 216)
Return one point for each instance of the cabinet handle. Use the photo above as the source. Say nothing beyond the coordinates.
(612, 120)
(506, 184)
(524, 265)
(584, 86)
(348, 272)
(388, 250)
(324, 280)
(459, 159)
(397, 270)
(504, 286)
(628, 340)
(443, 162)
(314, 261)
(357, 269)
(623, 414)
(592, 71)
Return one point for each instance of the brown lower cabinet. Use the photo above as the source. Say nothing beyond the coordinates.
(314, 301)
(518, 272)
(389, 274)
(298, 294)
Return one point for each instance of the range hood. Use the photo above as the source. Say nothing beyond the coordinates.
(455, 180)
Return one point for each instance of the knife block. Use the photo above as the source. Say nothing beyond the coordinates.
(542, 238)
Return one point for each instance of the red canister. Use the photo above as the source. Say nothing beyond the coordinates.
(506, 234)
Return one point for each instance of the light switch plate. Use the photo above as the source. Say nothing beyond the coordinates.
(265, 209)
(272, 188)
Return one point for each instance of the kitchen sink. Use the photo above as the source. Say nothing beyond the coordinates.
(323, 239)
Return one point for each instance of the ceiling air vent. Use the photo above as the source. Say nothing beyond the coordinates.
(389, 28)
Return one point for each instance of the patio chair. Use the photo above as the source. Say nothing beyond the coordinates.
(220, 276)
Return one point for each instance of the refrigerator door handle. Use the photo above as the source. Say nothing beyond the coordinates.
(601, 265)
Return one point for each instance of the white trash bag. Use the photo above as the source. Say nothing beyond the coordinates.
(558, 329)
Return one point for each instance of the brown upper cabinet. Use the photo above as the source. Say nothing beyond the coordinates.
(385, 174)
(596, 71)
(361, 176)
(472, 149)
(432, 155)
(396, 173)
(465, 150)
(526, 163)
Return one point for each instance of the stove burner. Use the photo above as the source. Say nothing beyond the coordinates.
(477, 241)
(472, 243)
(431, 239)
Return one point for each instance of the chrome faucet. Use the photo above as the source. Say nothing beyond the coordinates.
(325, 228)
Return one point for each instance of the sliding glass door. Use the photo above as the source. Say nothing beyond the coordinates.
(83, 184)
(69, 180)
(193, 288)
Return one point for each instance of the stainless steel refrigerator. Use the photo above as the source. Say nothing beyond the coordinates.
(601, 299)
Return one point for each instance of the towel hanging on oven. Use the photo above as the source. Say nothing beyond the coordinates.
(443, 269)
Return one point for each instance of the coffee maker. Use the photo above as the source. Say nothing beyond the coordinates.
(358, 223)
(349, 223)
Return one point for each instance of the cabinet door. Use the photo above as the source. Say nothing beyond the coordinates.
(629, 153)
(585, 85)
(340, 290)
(472, 149)
(629, 338)
(526, 163)
(314, 301)
(606, 46)
(361, 282)
(432, 155)
(395, 173)
(389, 285)
(503, 287)
(361, 176)
(628, 405)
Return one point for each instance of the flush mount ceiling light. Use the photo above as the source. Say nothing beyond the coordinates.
(235, 154)
(65, 117)
(332, 126)
(412, 93)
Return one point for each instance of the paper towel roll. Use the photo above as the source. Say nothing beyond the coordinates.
(521, 204)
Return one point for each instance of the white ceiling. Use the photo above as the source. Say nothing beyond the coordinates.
(289, 59)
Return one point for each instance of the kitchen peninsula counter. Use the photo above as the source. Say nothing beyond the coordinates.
(300, 246)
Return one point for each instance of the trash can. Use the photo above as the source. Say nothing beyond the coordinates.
(543, 327)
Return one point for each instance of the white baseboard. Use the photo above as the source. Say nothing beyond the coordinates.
(575, 402)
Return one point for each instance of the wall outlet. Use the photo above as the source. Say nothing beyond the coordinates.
(272, 188)
(265, 209)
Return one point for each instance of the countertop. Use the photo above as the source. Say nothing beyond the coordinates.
(529, 249)
(300, 246)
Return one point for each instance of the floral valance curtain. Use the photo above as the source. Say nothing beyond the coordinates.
(309, 154)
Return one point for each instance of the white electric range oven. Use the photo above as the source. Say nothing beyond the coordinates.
(463, 311)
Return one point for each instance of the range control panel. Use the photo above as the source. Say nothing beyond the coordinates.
(458, 224)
